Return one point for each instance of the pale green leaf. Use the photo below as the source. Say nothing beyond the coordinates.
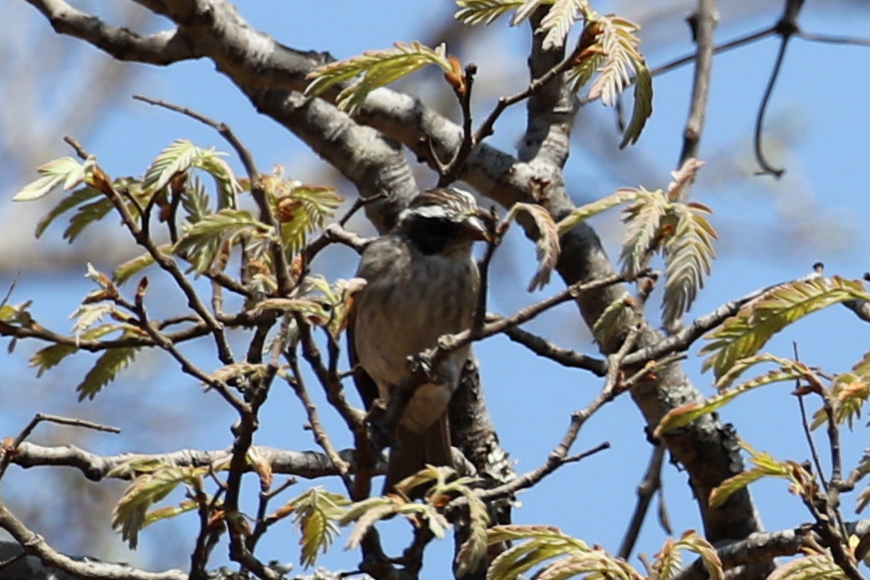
(644, 219)
(734, 484)
(473, 12)
(619, 44)
(811, 567)
(584, 212)
(104, 371)
(131, 513)
(50, 356)
(689, 258)
(315, 513)
(685, 414)
(560, 18)
(613, 318)
(132, 267)
(642, 109)
(692, 541)
(547, 244)
(525, 10)
(374, 69)
(168, 512)
(72, 200)
(304, 209)
(747, 332)
(201, 240)
(66, 170)
(86, 215)
(765, 466)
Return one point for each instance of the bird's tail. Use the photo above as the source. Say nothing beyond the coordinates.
(413, 451)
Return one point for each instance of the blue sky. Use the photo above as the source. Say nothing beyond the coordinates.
(769, 232)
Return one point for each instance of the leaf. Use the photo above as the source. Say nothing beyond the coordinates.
(473, 12)
(619, 44)
(766, 466)
(85, 216)
(812, 567)
(689, 258)
(104, 371)
(685, 414)
(46, 358)
(473, 550)
(525, 10)
(315, 513)
(643, 235)
(547, 243)
(132, 267)
(532, 545)
(201, 241)
(642, 109)
(49, 357)
(582, 213)
(375, 69)
(303, 210)
(559, 20)
(72, 200)
(848, 394)
(797, 369)
(745, 333)
(614, 317)
(180, 156)
(66, 170)
(690, 540)
(130, 515)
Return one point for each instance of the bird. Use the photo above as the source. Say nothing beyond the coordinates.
(421, 282)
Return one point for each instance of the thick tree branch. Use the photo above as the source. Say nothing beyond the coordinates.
(307, 464)
(87, 569)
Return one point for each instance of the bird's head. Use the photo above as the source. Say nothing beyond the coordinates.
(442, 219)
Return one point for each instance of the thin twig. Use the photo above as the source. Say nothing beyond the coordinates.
(9, 451)
(703, 23)
(646, 490)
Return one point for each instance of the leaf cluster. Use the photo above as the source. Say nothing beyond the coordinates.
(661, 222)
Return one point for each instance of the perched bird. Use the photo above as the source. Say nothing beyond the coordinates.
(421, 283)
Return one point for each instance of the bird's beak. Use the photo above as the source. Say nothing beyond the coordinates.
(476, 229)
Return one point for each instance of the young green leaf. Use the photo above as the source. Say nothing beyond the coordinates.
(110, 363)
(375, 68)
(643, 236)
(642, 109)
(547, 243)
(745, 333)
(473, 12)
(86, 215)
(614, 317)
(668, 562)
(315, 513)
(765, 466)
(688, 257)
(72, 200)
(200, 242)
(560, 18)
(66, 170)
(810, 567)
(182, 155)
(684, 414)
(131, 513)
(302, 210)
(132, 267)
(584, 212)
(534, 545)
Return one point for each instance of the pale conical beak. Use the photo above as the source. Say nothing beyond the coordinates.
(475, 228)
